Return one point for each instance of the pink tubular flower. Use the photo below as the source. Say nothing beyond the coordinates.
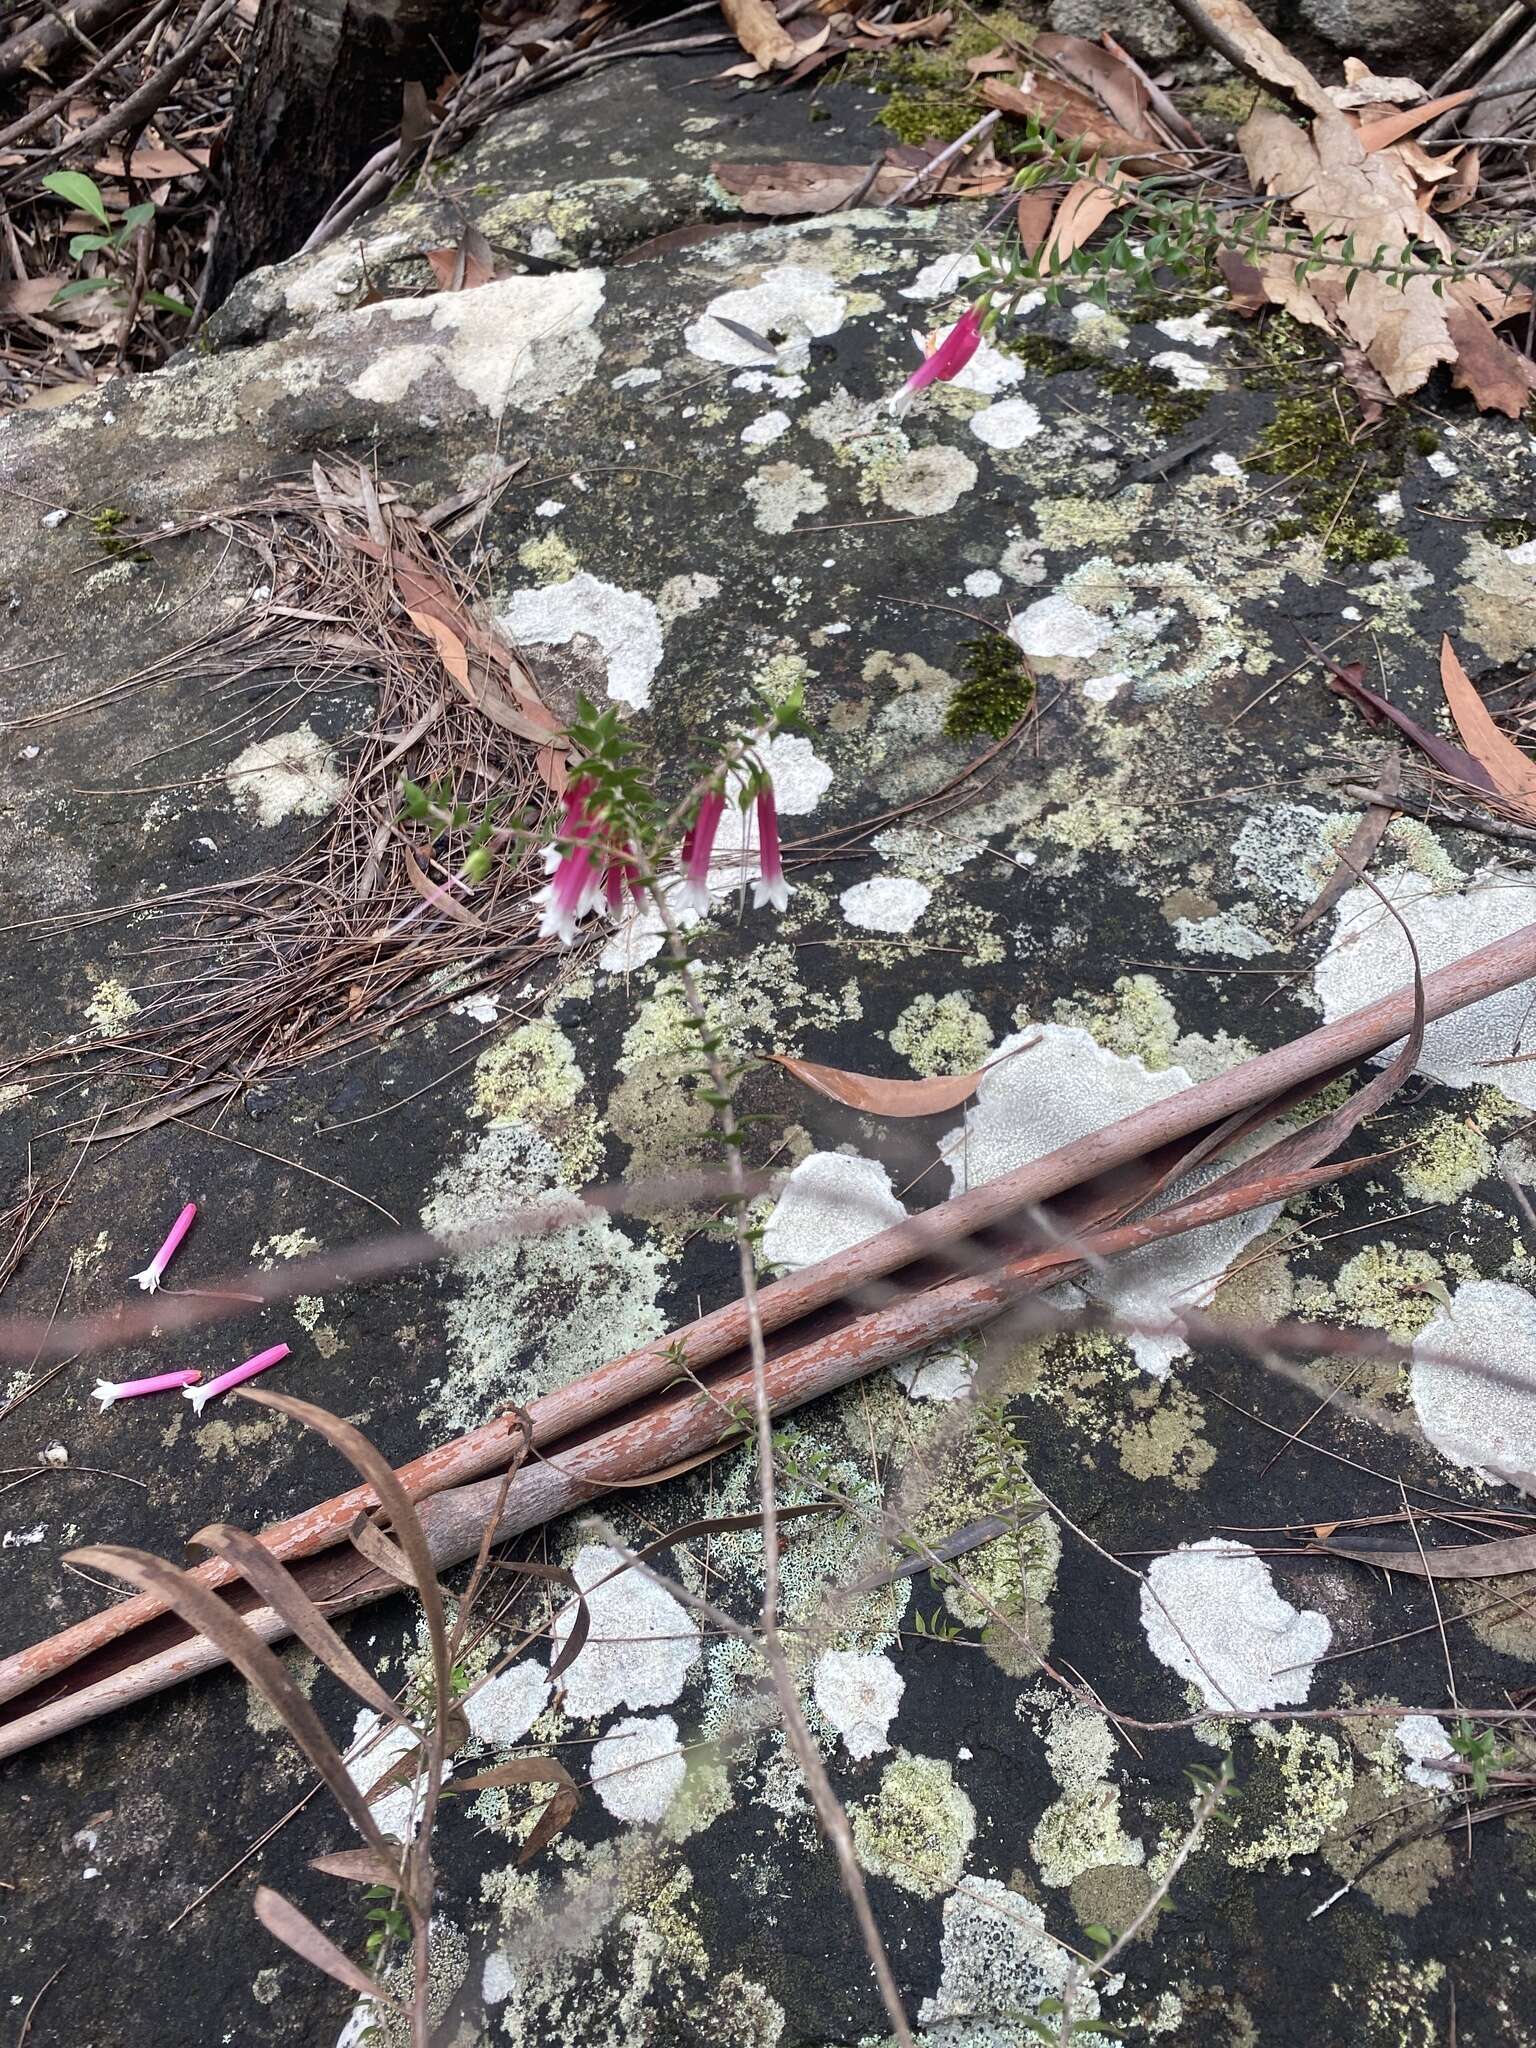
(771, 887)
(153, 1273)
(127, 1390)
(200, 1396)
(698, 845)
(946, 360)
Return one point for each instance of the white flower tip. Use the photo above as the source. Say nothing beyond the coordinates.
(104, 1392)
(197, 1396)
(692, 896)
(149, 1279)
(900, 404)
(774, 893)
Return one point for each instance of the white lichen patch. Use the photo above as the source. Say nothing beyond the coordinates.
(766, 428)
(519, 342)
(885, 903)
(943, 277)
(1288, 850)
(531, 1311)
(1058, 629)
(291, 775)
(997, 1963)
(638, 1768)
(1474, 1379)
(641, 1644)
(928, 481)
(505, 1707)
(1227, 933)
(831, 1202)
(1428, 1750)
(790, 306)
(1194, 328)
(1211, 1612)
(1007, 424)
(1187, 372)
(917, 1829)
(1369, 958)
(681, 595)
(624, 626)
(398, 1809)
(780, 494)
(858, 1696)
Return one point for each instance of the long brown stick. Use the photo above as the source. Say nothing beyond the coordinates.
(674, 1431)
(715, 1336)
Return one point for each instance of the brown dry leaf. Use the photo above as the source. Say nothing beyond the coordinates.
(458, 270)
(992, 64)
(440, 898)
(1498, 376)
(1034, 219)
(297, 1931)
(1340, 189)
(1366, 88)
(1082, 213)
(928, 30)
(357, 1866)
(55, 394)
(1345, 679)
(1245, 283)
(882, 1097)
(1390, 128)
(1078, 117)
(455, 655)
(1093, 68)
(758, 30)
(1366, 384)
(1455, 191)
(148, 164)
(1512, 774)
(790, 188)
(29, 294)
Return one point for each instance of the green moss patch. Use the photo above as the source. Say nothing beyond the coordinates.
(997, 691)
(1165, 408)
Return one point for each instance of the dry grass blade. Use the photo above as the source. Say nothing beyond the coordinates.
(372, 1466)
(356, 1866)
(297, 1931)
(1494, 1560)
(533, 1770)
(1361, 850)
(581, 1625)
(280, 1591)
(206, 1613)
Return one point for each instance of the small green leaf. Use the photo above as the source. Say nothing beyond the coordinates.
(80, 191)
(77, 288)
(87, 245)
(163, 302)
(136, 217)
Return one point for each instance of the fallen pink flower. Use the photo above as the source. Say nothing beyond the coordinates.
(151, 1276)
(771, 887)
(201, 1396)
(945, 360)
(127, 1390)
(698, 845)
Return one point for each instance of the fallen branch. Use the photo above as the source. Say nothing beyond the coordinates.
(1159, 1135)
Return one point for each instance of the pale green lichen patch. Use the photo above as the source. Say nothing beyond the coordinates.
(549, 558)
(1391, 1287)
(917, 1829)
(1160, 1438)
(1448, 1157)
(530, 1076)
(1298, 1791)
(112, 1008)
(941, 1035)
(534, 1310)
(1082, 1830)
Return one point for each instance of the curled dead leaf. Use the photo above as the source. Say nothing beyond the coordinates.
(1512, 774)
(883, 1097)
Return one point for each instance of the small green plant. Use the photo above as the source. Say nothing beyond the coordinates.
(1482, 1752)
(114, 245)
